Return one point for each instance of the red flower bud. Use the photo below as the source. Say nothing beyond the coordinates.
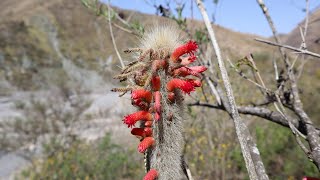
(141, 94)
(195, 82)
(157, 101)
(142, 132)
(157, 116)
(151, 175)
(188, 60)
(155, 81)
(185, 86)
(131, 119)
(145, 144)
(148, 131)
(171, 96)
(189, 47)
(141, 104)
(198, 69)
(185, 71)
(138, 132)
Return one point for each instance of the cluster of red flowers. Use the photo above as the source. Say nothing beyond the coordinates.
(149, 101)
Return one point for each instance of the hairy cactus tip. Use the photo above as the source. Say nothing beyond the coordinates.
(158, 78)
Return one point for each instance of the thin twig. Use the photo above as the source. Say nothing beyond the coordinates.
(112, 37)
(275, 69)
(214, 90)
(250, 152)
(246, 78)
(289, 47)
(125, 29)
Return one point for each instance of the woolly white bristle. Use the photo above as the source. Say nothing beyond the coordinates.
(159, 37)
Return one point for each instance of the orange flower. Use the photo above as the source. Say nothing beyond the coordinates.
(151, 175)
(131, 119)
(145, 144)
(185, 86)
(189, 48)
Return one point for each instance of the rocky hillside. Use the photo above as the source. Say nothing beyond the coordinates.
(35, 35)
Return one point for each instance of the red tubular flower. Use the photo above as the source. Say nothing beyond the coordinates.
(198, 69)
(189, 47)
(157, 116)
(188, 60)
(131, 119)
(142, 132)
(141, 94)
(148, 131)
(185, 86)
(157, 101)
(141, 104)
(138, 132)
(195, 82)
(151, 175)
(185, 71)
(171, 96)
(155, 81)
(148, 124)
(145, 144)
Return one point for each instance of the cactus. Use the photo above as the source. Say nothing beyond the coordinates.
(158, 79)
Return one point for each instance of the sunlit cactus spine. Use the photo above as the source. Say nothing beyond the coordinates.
(158, 78)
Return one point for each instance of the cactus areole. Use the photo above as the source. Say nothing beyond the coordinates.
(158, 78)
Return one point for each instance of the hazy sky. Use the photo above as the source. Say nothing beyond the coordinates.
(239, 15)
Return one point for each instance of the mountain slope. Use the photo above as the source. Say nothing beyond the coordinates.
(26, 46)
(313, 33)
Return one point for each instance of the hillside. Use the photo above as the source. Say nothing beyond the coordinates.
(313, 33)
(28, 31)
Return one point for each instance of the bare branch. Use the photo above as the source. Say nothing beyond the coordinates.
(112, 37)
(312, 134)
(289, 47)
(250, 152)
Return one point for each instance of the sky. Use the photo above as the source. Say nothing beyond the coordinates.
(239, 15)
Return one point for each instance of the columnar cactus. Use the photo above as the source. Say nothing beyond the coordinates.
(158, 79)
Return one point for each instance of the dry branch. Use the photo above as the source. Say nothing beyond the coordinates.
(313, 138)
(250, 152)
(303, 51)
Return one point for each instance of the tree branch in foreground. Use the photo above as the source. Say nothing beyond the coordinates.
(249, 149)
(303, 51)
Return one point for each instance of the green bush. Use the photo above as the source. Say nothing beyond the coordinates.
(101, 160)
